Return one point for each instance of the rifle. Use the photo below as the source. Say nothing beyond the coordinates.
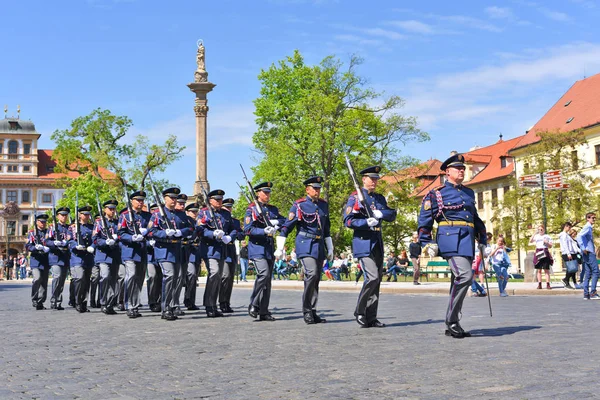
(55, 222)
(246, 195)
(260, 210)
(136, 229)
(102, 217)
(77, 222)
(359, 193)
(159, 203)
(486, 281)
(209, 207)
(35, 228)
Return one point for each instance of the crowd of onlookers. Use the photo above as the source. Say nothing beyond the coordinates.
(14, 267)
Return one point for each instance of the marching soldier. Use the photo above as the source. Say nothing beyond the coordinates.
(108, 256)
(82, 258)
(367, 243)
(120, 286)
(230, 262)
(185, 254)
(310, 215)
(59, 256)
(194, 259)
(133, 229)
(167, 232)
(94, 294)
(452, 206)
(217, 234)
(261, 248)
(40, 266)
(154, 281)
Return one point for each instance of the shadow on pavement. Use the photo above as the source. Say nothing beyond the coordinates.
(410, 323)
(507, 330)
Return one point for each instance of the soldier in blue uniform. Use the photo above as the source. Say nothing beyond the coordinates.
(261, 248)
(40, 266)
(185, 254)
(82, 258)
(59, 256)
(194, 258)
(120, 286)
(216, 235)
(367, 244)
(108, 256)
(154, 280)
(167, 232)
(310, 215)
(133, 251)
(452, 206)
(230, 262)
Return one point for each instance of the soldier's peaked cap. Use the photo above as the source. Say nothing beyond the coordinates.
(371, 172)
(182, 198)
(42, 217)
(228, 202)
(63, 210)
(111, 202)
(153, 206)
(264, 186)
(192, 207)
(85, 210)
(314, 181)
(171, 192)
(216, 194)
(139, 195)
(457, 160)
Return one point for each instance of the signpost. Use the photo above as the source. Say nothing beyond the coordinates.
(549, 180)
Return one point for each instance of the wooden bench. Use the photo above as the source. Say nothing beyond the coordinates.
(436, 268)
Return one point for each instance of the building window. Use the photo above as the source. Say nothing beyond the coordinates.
(506, 189)
(503, 162)
(494, 197)
(1, 147)
(574, 160)
(13, 147)
(480, 200)
(24, 229)
(11, 195)
(49, 168)
(24, 217)
(27, 148)
(26, 168)
(1, 168)
(25, 196)
(47, 198)
(597, 154)
(12, 168)
(11, 228)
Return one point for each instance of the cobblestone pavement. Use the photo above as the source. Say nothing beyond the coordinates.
(533, 347)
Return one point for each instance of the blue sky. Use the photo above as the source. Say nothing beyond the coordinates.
(468, 70)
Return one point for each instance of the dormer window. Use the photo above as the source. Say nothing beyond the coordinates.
(13, 125)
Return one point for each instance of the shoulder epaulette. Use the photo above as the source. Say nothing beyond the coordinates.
(438, 187)
(301, 200)
(125, 211)
(251, 205)
(354, 193)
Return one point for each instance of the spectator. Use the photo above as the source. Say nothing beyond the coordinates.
(542, 260)
(281, 268)
(500, 262)
(477, 290)
(244, 260)
(327, 271)
(344, 266)
(335, 268)
(2, 265)
(396, 265)
(576, 260)
(359, 273)
(585, 240)
(566, 252)
(414, 248)
(9, 267)
(573, 234)
(23, 266)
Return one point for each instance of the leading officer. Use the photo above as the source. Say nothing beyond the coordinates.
(452, 206)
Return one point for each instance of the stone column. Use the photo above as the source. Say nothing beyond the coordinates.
(201, 86)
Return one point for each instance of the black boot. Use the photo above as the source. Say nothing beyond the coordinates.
(456, 331)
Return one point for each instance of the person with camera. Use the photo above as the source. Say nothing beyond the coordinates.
(542, 260)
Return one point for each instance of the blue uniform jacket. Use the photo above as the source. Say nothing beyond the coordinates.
(187, 244)
(130, 250)
(449, 203)
(231, 253)
(39, 258)
(216, 249)
(168, 249)
(311, 218)
(82, 257)
(59, 255)
(260, 245)
(366, 238)
(105, 253)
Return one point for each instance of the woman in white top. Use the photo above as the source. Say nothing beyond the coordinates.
(542, 260)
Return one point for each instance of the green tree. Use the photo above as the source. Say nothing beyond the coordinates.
(398, 194)
(310, 116)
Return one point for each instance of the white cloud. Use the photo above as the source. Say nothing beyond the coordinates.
(466, 21)
(555, 15)
(357, 39)
(499, 12)
(414, 26)
(383, 33)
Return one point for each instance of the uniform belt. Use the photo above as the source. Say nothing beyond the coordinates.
(309, 235)
(456, 223)
(167, 241)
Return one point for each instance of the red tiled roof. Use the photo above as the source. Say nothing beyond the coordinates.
(493, 154)
(426, 173)
(46, 167)
(583, 106)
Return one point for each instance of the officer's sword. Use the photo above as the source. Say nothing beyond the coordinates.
(487, 288)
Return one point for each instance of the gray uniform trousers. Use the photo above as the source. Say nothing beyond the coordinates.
(94, 281)
(170, 272)
(261, 294)
(120, 286)
(213, 282)
(190, 283)
(312, 276)
(226, 283)
(154, 283)
(39, 287)
(108, 283)
(462, 274)
(368, 298)
(59, 274)
(135, 271)
(81, 281)
(182, 278)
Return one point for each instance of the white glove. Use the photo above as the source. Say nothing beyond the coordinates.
(58, 243)
(90, 249)
(110, 242)
(431, 252)
(377, 214)
(372, 222)
(218, 234)
(115, 236)
(64, 243)
(46, 249)
(274, 222)
(170, 232)
(178, 233)
(432, 249)
(329, 246)
(137, 238)
(226, 239)
(143, 231)
(280, 240)
(152, 242)
(39, 247)
(80, 247)
(269, 230)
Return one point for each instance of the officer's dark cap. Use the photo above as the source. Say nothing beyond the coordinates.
(139, 195)
(228, 202)
(216, 194)
(457, 160)
(264, 186)
(42, 217)
(192, 207)
(171, 192)
(110, 203)
(182, 198)
(371, 172)
(85, 210)
(63, 210)
(314, 181)
(96, 216)
(153, 206)
(121, 211)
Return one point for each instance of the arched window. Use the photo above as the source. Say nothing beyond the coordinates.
(13, 147)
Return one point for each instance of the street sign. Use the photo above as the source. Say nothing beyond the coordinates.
(555, 172)
(530, 178)
(553, 179)
(557, 185)
(530, 184)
